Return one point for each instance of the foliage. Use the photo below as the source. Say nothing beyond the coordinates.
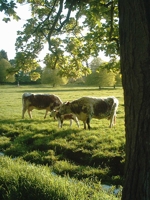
(118, 79)
(106, 78)
(3, 54)
(100, 76)
(74, 31)
(4, 76)
(9, 9)
(25, 63)
(51, 76)
(92, 79)
(113, 65)
(34, 76)
(66, 66)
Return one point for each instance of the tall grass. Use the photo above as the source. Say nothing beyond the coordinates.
(21, 181)
(96, 154)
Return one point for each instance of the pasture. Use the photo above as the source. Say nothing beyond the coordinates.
(96, 154)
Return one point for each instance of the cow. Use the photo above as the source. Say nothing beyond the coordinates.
(61, 118)
(86, 108)
(46, 102)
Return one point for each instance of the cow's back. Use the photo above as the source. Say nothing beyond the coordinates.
(41, 101)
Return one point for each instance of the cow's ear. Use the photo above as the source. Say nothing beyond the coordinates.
(67, 103)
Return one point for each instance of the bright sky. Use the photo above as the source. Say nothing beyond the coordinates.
(8, 32)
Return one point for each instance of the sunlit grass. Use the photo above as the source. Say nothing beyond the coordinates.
(19, 180)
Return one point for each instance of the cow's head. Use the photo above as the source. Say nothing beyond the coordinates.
(65, 108)
(53, 113)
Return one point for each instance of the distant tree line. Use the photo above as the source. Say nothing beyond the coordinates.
(98, 74)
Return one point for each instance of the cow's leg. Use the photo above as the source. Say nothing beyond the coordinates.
(111, 121)
(29, 113)
(84, 123)
(59, 123)
(88, 123)
(113, 114)
(23, 112)
(77, 122)
(70, 122)
(45, 114)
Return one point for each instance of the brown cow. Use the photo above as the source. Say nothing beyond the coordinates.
(46, 102)
(87, 108)
(61, 118)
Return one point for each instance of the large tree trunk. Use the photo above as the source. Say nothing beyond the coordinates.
(135, 65)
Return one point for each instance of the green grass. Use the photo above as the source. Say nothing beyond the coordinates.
(21, 181)
(96, 154)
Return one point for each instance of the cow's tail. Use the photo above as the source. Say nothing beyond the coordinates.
(113, 112)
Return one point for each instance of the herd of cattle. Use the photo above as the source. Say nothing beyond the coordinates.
(84, 108)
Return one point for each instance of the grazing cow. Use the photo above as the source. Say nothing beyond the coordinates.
(46, 102)
(61, 118)
(87, 108)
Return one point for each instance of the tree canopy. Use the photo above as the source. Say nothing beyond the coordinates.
(8, 7)
(74, 30)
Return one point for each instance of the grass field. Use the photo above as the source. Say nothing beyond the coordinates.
(96, 154)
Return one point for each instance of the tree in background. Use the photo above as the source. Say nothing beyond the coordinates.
(32, 77)
(3, 54)
(95, 63)
(27, 64)
(92, 79)
(5, 65)
(100, 76)
(106, 78)
(35, 75)
(4, 77)
(118, 79)
(50, 76)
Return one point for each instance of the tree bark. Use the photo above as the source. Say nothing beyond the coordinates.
(134, 27)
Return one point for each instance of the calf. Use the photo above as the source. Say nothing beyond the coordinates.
(87, 108)
(46, 102)
(61, 118)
